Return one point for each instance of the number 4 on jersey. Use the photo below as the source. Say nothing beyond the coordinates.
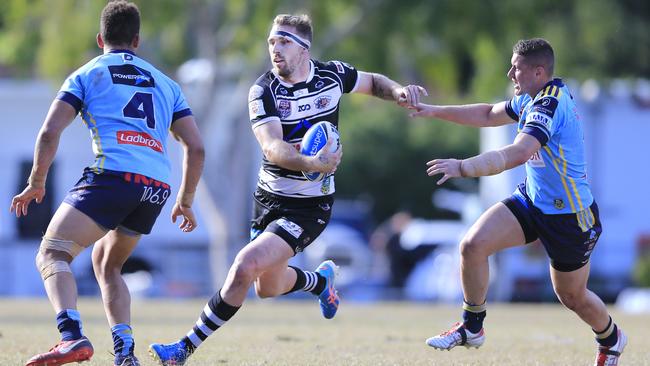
(141, 106)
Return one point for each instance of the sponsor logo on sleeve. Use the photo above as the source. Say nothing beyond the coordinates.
(255, 92)
(540, 118)
(139, 139)
(256, 108)
(339, 67)
(546, 105)
(291, 227)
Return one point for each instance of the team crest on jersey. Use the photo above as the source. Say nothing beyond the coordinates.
(325, 186)
(291, 227)
(284, 108)
(558, 203)
(255, 92)
(322, 102)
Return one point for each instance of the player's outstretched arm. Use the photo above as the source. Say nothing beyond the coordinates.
(382, 87)
(281, 153)
(187, 133)
(60, 115)
(488, 163)
(475, 115)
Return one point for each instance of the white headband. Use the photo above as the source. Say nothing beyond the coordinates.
(294, 37)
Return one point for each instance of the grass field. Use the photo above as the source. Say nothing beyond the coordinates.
(272, 332)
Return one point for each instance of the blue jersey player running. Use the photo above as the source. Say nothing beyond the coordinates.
(554, 204)
(129, 108)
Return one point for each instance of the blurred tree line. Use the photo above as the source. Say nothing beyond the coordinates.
(459, 49)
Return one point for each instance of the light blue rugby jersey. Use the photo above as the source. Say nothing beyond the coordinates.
(128, 106)
(556, 176)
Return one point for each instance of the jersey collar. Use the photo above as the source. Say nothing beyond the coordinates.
(122, 51)
(555, 82)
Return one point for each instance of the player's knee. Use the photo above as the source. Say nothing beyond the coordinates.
(54, 256)
(471, 247)
(570, 299)
(245, 269)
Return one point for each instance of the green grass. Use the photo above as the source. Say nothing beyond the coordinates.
(272, 332)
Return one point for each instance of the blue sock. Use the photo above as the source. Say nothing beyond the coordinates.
(69, 323)
(473, 316)
(123, 343)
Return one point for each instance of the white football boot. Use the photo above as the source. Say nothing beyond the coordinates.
(457, 336)
(608, 356)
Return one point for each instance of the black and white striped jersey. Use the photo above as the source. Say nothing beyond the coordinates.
(298, 107)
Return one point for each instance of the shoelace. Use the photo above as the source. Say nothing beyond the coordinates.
(454, 329)
(332, 298)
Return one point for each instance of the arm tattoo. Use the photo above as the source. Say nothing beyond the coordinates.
(382, 87)
(376, 87)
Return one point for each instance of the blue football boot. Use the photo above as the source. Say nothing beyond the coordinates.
(172, 354)
(329, 298)
(128, 360)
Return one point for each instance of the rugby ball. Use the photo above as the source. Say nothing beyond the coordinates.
(313, 141)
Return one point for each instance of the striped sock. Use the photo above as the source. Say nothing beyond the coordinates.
(69, 323)
(308, 281)
(214, 315)
(123, 342)
(608, 336)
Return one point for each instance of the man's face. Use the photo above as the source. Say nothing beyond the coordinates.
(525, 77)
(286, 54)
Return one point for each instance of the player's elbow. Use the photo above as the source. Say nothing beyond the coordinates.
(196, 151)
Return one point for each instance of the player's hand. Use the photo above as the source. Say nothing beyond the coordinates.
(20, 203)
(189, 221)
(326, 161)
(449, 168)
(424, 110)
(409, 96)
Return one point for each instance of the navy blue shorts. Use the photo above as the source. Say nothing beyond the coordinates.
(568, 239)
(296, 220)
(114, 199)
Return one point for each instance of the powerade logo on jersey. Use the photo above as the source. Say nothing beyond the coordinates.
(131, 75)
(139, 139)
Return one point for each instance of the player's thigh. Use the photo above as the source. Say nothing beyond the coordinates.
(114, 248)
(496, 229)
(267, 252)
(68, 223)
(573, 282)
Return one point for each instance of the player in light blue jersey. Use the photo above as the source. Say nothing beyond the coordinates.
(129, 108)
(553, 205)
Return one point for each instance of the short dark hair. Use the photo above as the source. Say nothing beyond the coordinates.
(120, 23)
(536, 52)
(302, 23)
